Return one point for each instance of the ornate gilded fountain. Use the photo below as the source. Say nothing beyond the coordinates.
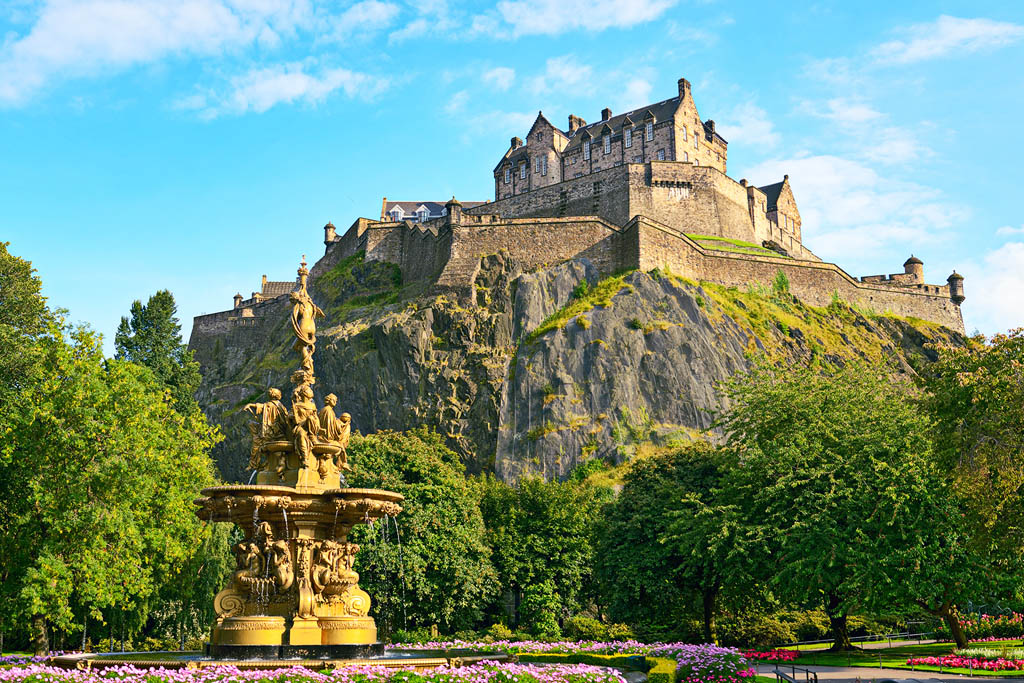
(294, 592)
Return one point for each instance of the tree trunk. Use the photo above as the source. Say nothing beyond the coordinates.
(837, 622)
(955, 629)
(710, 596)
(40, 643)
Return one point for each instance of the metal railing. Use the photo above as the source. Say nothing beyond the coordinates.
(876, 638)
(792, 677)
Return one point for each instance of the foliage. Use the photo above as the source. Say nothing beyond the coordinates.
(101, 478)
(584, 299)
(353, 283)
(780, 285)
(439, 567)
(24, 318)
(539, 533)
(152, 337)
(840, 499)
(540, 608)
(586, 628)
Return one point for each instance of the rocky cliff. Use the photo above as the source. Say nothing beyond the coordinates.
(543, 370)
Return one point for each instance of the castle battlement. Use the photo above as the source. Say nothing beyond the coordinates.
(641, 201)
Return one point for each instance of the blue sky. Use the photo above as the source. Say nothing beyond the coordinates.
(194, 145)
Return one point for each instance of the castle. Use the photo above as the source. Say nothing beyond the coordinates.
(639, 190)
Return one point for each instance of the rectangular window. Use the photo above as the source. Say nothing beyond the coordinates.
(661, 155)
(577, 175)
(686, 156)
(522, 170)
(683, 130)
(607, 144)
(696, 141)
(508, 175)
(544, 166)
(638, 159)
(650, 130)
(586, 149)
(536, 165)
(627, 134)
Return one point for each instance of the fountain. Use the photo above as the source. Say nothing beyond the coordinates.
(294, 594)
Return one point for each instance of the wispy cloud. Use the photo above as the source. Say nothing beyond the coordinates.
(457, 102)
(74, 39)
(552, 17)
(362, 18)
(261, 89)
(994, 288)
(747, 124)
(853, 214)
(1007, 230)
(500, 77)
(945, 36)
(560, 72)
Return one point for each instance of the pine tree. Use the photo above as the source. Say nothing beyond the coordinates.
(152, 337)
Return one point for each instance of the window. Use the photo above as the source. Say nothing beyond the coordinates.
(696, 162)
(536, 165)
(577, 175)
(544, 166)
(649, 129)
(696, 142)
(540, 135)
(627, 135)
(586, 149)
(607, 144)
(683, 130)
(396, 214)
(522, 170)
(638, 159)
(422, 214)
(661, 155)
(686, 156)
(508, 175)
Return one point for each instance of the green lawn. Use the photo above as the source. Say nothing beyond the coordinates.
(895, 658)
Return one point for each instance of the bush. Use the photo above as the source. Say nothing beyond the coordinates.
(540, 609)
(584, 628)
(500, 632)
(754, 630)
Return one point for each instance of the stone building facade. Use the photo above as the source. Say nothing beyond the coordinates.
(644, 189)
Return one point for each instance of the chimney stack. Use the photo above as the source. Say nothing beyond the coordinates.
(684, 87)
(606, 114)
(516, 143)
(575, 123)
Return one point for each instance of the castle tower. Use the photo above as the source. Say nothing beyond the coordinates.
(238, 300)
(956, 288)
(330, 234)
(914, 266)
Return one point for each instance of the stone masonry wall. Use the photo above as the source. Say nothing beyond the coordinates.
(813, 282)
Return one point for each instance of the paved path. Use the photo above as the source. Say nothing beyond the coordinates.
(863, 674)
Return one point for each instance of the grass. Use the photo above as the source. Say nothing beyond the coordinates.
(584, 299)
(894, 658)
(734, 246)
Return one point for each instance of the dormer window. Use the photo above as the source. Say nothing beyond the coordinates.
(627, 136)
(422, 213)
(508, 175)
(396, 214)
(607, 144)
(649, 130)
(586, 149)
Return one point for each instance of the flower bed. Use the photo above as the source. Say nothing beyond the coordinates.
(772, 655)
(986, 627)
(694, 663)
(484, 672)
(961, 662)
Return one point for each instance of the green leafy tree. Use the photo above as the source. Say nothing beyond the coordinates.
(644, 581)
(151, 336)
(438, 570)
(98, 488)
(836, 484)
(540, 533)
(705, 528)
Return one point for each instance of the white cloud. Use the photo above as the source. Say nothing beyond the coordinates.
(856, 217)
(560, 72)
(552, 17)
(946, 35)
(500, 77)
(261, 89)
(364, 17)
(1010, 230)
(485, 123)
(844, 111)
(414, 29)
(637, 93)
(457, 102)
(748, 125)
(73, 39)
(995, 290)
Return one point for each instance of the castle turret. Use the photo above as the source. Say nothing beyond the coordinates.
(454, 208)
(330, 233)
(956, 288)
(914, 266)
(238, 300)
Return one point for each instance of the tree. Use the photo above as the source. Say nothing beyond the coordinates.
(835, 482)
(639, 576)
(540, 533)
(98, 490)
(430, 565)
(705, 528)
(152, 337)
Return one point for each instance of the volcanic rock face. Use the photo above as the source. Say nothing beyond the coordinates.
(544, 370)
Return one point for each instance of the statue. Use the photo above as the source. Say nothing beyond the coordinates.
(335, 430)
(271, 424)
(304, 314)
(307, 424)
